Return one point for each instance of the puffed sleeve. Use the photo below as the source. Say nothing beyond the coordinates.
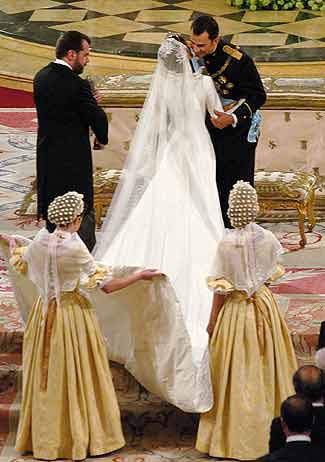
(92, 273)
(17, 260)
(279, 271)
(220, 285)
(213, 102)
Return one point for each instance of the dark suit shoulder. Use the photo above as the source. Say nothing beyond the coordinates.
(56, 70)
(318, 431)
(295, 451)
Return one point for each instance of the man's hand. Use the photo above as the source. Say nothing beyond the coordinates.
(98, 97)
(222, 119)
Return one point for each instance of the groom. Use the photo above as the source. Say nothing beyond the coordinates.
(236, 78)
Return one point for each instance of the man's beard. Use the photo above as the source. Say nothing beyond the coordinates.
(78, 68)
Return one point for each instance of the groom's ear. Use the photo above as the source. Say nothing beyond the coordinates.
(216, 40)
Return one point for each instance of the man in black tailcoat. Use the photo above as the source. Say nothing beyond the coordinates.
(296, 419)
(237, 79)
(66, 109)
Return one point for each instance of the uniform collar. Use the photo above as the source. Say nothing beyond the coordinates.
(217, 52)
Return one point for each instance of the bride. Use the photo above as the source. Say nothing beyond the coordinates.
(165, 214)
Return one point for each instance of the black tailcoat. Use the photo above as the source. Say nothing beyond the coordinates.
(66, 109)
(296, 451)
(235, 76)
(278, 438)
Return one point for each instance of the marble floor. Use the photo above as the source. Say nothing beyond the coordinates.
(136, 27)
(126, 34)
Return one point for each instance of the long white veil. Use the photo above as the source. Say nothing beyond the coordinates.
(171, 110)
(165, 214)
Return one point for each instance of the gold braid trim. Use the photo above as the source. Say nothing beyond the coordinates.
(98, 277)
(221, 285)
(17, 261)
(232, 52)
(278, 273)
(222, 68)
(249, 108)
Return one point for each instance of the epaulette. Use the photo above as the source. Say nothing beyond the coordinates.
(232, 52)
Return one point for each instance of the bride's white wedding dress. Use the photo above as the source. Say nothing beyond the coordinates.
(166, 215)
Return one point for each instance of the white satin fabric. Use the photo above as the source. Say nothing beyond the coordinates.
(166, 215)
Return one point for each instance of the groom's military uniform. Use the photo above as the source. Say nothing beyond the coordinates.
(236, 77)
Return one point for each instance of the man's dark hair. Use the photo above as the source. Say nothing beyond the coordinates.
(70, 40)
(309, 382)
(207, 24)
(297, 414)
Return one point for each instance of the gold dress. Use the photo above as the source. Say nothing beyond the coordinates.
(69, 407)
(251, 355)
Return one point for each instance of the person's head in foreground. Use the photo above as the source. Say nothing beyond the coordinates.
(309, 382)
(297, 415)
(243, 204)
(66, 211)
(205, 35)
(74, 48)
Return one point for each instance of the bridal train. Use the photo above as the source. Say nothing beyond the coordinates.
(165, 214)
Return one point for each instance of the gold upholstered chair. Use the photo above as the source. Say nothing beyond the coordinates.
(105, 183)
(287, 190)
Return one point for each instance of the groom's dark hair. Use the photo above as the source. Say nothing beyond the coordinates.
(205, 23)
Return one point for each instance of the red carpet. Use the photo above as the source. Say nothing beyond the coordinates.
(15, 98)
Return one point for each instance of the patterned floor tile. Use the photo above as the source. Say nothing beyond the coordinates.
(311, 28)
(104, 27)
(109, 23)
(54, 15)
(215, 8)
(113, 7)
(270, 16)
(152, 16)
(147, 37)
(13, 7)
(260, 40)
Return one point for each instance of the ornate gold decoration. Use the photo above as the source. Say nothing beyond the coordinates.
(97, 278)
(220, 285)
(222, 68)
(232, 52)
(105, 183)
(272, 144)
(17, 261)
(303, 145)
(126, 145)
(287, 116)
(222, 79)
(297, 194)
